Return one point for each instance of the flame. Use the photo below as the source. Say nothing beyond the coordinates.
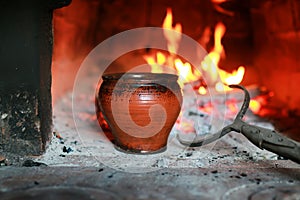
(172, 38)
(219, 33)
(183, 69)
(227, 78)
(156, 63)
(232, 78)
(186, 72)
(161, 59)
(211, 62)
(210, 68)
(214, 76)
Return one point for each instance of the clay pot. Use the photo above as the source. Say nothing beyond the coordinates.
(141, 109)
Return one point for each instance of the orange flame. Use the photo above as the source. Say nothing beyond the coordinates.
(232, 78)
(211, 62)
(184, 69)
(156, 63)
(213, 74)
(219, 33)
(172, 38)
(186, 72)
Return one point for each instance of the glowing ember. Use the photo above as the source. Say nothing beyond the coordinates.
(257, 103)
(232, 106)
(255, 106)
(202, 90)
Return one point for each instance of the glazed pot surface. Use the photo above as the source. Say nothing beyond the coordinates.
(140, 109)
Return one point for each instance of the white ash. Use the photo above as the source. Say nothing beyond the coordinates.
(161, 163)
(94, 149)
(4, 115)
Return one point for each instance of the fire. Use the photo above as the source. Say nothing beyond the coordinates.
(156, 63)
(211, 62)
(215, 76)
(232, 78)
(173, 39)
(220, 30)
(210, 72)
(184, 69)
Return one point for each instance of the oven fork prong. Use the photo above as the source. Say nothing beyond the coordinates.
(261, 137)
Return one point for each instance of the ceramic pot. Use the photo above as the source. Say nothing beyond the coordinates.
(140, 109)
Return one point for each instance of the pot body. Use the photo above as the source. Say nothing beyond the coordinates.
(140, 109)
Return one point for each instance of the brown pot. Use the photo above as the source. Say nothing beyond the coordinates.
(141, 109)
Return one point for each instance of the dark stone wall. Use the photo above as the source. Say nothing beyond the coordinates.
(21, 130)
(25, 75)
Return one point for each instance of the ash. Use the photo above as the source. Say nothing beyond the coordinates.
(84, 145)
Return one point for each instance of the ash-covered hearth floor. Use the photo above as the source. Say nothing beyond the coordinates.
(75, 167)
(260, 180)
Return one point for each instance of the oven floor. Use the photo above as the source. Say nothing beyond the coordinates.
(260, 180)
(78, 166)
(80, 163)
(83, 145)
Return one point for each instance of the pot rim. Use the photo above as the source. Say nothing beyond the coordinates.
(140, 76)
